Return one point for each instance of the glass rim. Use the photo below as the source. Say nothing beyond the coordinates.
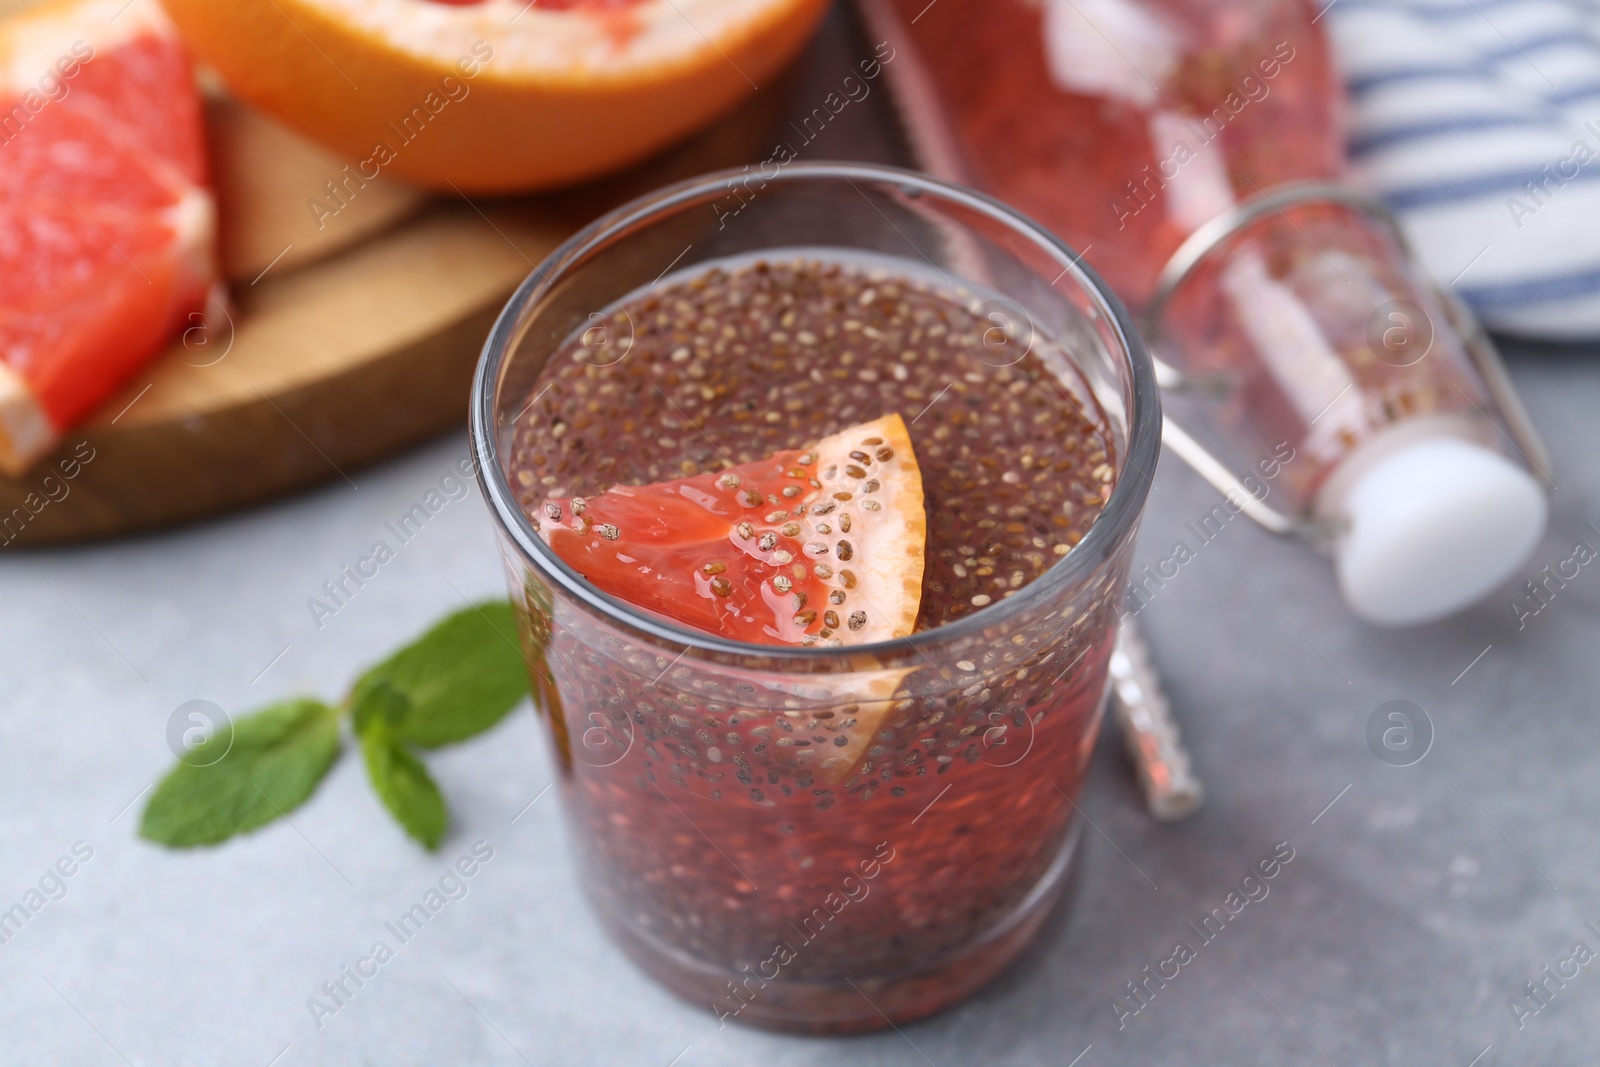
(1117, 518)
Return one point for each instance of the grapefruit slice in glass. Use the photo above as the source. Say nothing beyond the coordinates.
(820, 545)
(107, 226)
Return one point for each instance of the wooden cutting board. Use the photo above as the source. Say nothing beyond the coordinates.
(344, 342)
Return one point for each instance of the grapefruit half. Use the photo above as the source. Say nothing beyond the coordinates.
(107, 225)
(494, 96)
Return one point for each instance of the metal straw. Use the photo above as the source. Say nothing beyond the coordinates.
(1171, 790)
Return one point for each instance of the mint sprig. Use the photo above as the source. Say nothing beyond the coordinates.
(454, 682)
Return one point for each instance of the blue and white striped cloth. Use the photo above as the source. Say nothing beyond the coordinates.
(1479, 122)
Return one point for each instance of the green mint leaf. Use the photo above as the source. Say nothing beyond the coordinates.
(455, 681)
(272, 762)
(403, 784)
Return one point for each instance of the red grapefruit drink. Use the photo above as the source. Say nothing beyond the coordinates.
(817, 492)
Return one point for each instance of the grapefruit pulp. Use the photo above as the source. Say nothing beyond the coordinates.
(106, 222)
(494, 96)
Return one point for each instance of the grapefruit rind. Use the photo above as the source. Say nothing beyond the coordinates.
(889, 556)
(839, 719)
(25, 431)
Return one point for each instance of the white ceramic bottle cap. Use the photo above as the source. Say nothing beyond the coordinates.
(1432, 527)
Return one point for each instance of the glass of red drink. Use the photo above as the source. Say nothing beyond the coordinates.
(821, 836)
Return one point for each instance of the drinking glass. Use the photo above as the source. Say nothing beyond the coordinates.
(712, 844)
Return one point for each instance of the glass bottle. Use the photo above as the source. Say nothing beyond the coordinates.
(1193, 150)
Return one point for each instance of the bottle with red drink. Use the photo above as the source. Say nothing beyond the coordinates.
(1193, 152)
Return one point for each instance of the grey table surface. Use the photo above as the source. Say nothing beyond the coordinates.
(1419, 901)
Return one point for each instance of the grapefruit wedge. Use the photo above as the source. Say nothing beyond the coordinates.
(817, 546)
(494, 95)
(106, 222)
